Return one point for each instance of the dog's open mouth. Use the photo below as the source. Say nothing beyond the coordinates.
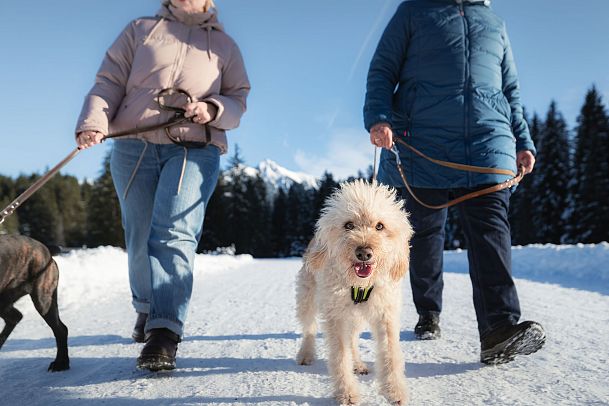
(363, 269)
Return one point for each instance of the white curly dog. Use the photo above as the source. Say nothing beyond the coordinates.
(352, 274)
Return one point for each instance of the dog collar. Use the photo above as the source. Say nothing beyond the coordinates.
(359, 295)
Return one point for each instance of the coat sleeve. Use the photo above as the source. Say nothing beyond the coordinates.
(234, 89)
(385, 68)
(103, 100)
(511, 90)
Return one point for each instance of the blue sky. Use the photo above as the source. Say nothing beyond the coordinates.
(307, 62)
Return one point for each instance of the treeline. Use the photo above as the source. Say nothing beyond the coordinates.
(565, 200)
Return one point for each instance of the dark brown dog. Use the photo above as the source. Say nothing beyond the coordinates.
(27, 267)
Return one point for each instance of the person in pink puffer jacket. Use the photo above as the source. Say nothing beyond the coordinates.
(165, 179)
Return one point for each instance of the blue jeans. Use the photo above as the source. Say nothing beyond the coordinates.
(163, 192)
(487, 232)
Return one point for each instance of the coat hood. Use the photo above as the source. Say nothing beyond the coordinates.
(207, 20)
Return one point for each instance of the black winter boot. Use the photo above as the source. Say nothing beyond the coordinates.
(504, 343)
(138, 330)
(428, 327)
(159, 353)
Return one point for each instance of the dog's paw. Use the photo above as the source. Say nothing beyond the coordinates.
(397, 395)
(305, 358)
(350, 398)
(59, 365)
(359, 368)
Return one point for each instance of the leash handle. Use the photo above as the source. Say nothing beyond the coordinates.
(178, 111)
(7, 211)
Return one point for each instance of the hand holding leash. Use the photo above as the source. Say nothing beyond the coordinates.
(87, 139)
(381, 135)
(200, 112)
(526, 161)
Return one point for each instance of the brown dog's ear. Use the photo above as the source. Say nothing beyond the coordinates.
(401, 264)
(315, 256)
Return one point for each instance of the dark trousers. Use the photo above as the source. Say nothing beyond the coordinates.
(487, 233)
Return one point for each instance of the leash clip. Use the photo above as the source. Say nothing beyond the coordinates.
(394, 149)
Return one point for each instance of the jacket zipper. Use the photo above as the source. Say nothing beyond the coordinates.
(466, 86)
(181, 56)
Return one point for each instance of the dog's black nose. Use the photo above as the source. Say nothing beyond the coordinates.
(363, 253)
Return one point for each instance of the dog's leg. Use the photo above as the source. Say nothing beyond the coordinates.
(44, 297)
(62, 361)
(305, 311)
(359, 367)
(389, 357)
(11, 317)
(340, 361)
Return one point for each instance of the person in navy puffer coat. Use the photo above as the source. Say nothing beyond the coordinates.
(443, 78)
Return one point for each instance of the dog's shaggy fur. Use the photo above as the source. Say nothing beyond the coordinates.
(27, 267)
(361, 240)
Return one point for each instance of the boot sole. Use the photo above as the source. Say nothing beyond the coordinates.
(526, 342)
(156, 363)
(427, 335)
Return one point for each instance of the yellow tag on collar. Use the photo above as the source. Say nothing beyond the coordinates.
(359, 295)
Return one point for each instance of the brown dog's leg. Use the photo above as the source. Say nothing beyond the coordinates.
(11, 317)
(62, 361)
(44, 297)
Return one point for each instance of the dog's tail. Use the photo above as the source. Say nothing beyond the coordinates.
(305, 312)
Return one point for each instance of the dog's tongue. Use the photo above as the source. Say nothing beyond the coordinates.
(362, 269)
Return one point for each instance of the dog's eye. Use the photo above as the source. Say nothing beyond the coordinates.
(349, 226)
(379, 226)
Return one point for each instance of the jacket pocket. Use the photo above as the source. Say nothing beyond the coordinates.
(404, 106)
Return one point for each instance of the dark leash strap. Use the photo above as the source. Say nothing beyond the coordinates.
(514, 180)
(177, 119)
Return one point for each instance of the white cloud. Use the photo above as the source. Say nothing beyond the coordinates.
(345, 152)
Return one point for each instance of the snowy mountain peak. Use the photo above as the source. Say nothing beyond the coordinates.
(275, 175)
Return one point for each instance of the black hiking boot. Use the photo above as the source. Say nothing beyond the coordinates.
(138, 330)
(504, 343)
(159, 353)
(428, 327)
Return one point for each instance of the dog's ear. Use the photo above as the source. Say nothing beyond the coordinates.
(316, 255)
(401, 264)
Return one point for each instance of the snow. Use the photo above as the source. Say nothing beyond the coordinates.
(242, 336)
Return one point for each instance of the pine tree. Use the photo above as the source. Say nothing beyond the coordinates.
(237, 212)
(521, 203)
(7, 195)
(327, 186)
(38, 216)
(279, 227)
(551, 179)
(589, 214)
(258, 223)
(300, 218)
(214, 227)
(103, 212)
(72, 217)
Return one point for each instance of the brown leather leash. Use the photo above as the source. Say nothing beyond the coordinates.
(514, 180)
(177, 119)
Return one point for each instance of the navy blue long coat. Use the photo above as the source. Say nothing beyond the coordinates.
(444, 77)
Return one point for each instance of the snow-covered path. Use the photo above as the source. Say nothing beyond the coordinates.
(242, 336)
